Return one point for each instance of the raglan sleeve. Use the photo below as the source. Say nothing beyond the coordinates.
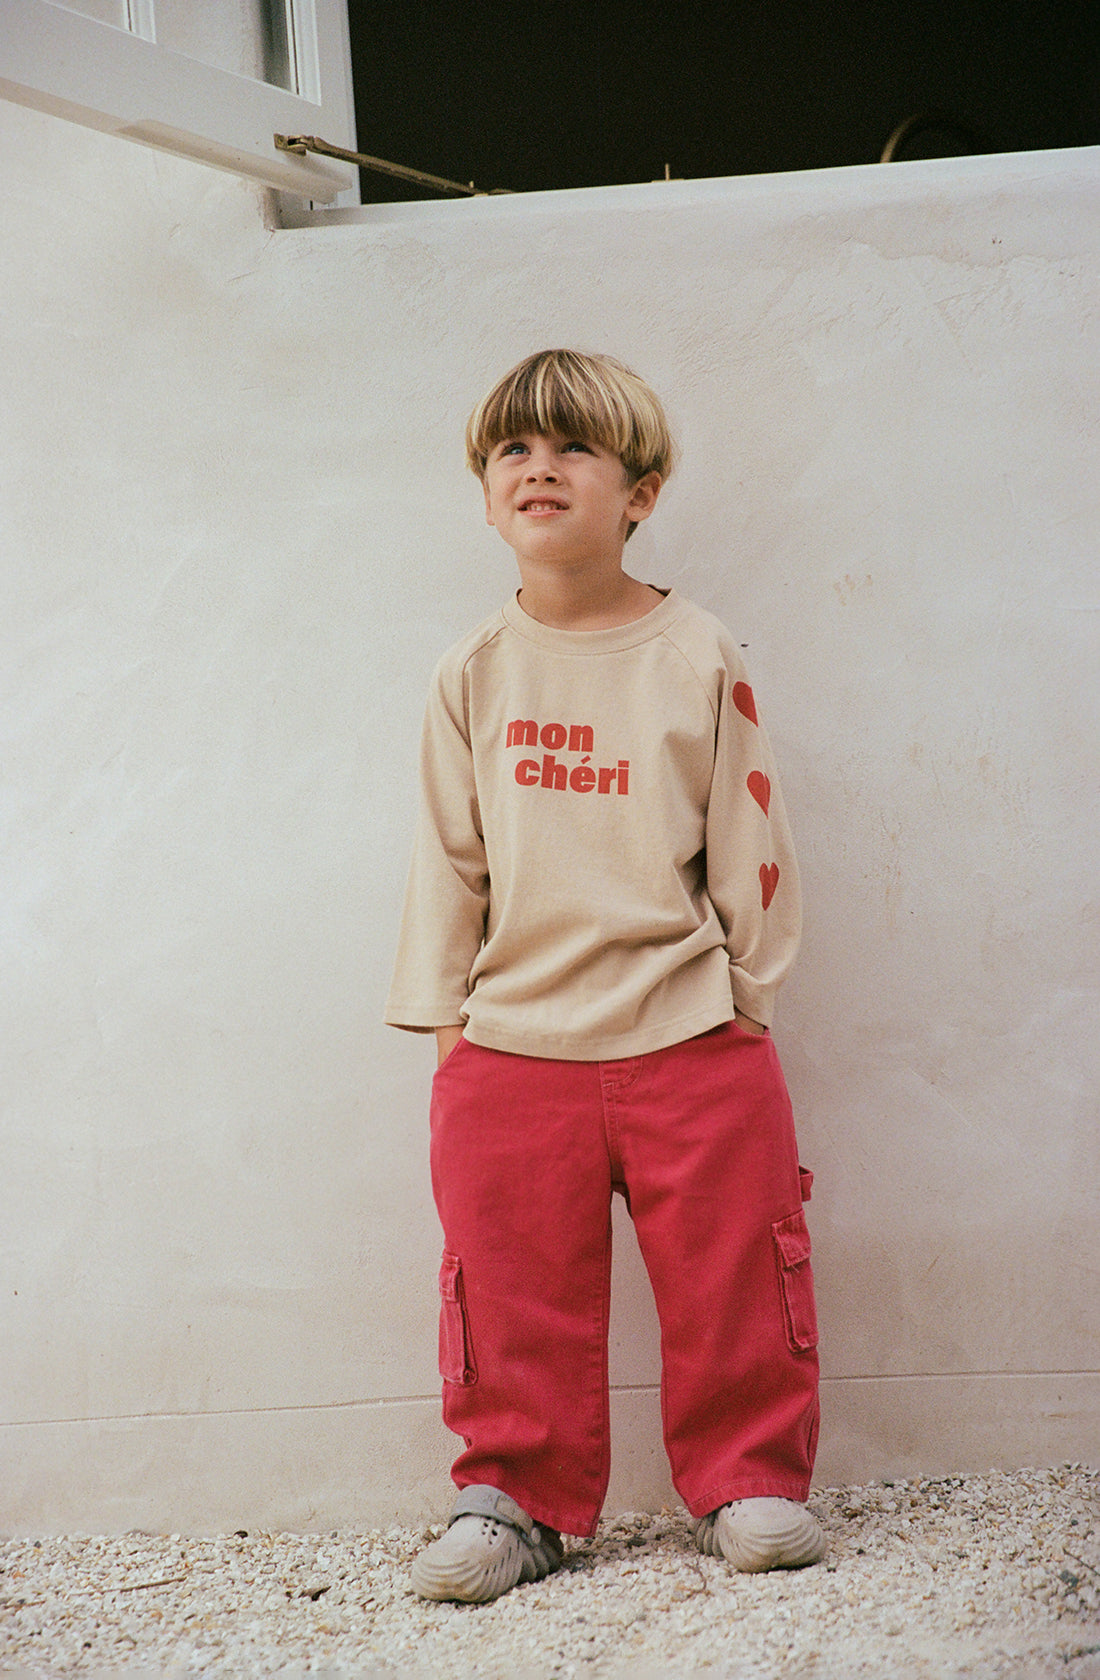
(752, 874)
(447, 893)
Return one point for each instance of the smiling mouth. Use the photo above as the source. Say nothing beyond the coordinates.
(542, 504)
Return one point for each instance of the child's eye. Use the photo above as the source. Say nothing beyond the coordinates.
(576, 444)
(511, 449)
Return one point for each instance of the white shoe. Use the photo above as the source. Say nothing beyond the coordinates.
(759, 1534)
(490, 1546)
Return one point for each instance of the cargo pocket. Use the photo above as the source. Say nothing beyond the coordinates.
(456, 1360)
(796, 1280)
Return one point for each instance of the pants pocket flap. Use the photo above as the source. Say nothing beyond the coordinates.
(796, 1280)
(450, 1272)
(456, 1357)
(792, 1239)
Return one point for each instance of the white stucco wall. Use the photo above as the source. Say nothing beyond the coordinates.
(237, 532)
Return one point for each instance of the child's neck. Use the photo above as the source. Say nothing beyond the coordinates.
(565, 600)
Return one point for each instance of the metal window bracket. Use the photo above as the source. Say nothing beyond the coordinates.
(303, 143)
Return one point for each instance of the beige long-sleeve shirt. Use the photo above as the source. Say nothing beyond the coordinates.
(602, 864)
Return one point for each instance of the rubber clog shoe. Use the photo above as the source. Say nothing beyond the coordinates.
(490, 1546)
(755, 1535)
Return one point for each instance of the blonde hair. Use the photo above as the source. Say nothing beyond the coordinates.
(566, 393)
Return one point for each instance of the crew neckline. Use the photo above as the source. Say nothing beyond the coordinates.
(611, 640)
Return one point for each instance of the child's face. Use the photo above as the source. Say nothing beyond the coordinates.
(560, 498)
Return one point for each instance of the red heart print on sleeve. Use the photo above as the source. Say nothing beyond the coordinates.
(760, 788)
(743, 700)
(769, 880)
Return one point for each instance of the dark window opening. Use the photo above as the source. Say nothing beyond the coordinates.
(584, 93)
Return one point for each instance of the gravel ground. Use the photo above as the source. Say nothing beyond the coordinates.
(990, 1576)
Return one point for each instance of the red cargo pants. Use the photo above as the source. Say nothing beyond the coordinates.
(699, 1138)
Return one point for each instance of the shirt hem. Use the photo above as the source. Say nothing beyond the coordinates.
(560, 1047)
(408, 1020)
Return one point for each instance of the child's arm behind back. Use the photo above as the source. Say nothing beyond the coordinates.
(447, 896)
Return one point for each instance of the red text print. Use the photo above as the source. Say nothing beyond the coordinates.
(525, 732)
(582, 778)
(552, 772)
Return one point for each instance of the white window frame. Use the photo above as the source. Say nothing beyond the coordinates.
(122, 82)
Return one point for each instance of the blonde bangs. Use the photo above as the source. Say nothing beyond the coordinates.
(565, 393)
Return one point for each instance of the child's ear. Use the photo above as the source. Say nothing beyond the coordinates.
(643, 497)
(489, 520)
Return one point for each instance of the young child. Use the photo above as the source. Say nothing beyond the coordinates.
(602, 903)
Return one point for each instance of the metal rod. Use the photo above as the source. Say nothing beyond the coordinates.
(303, 143)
